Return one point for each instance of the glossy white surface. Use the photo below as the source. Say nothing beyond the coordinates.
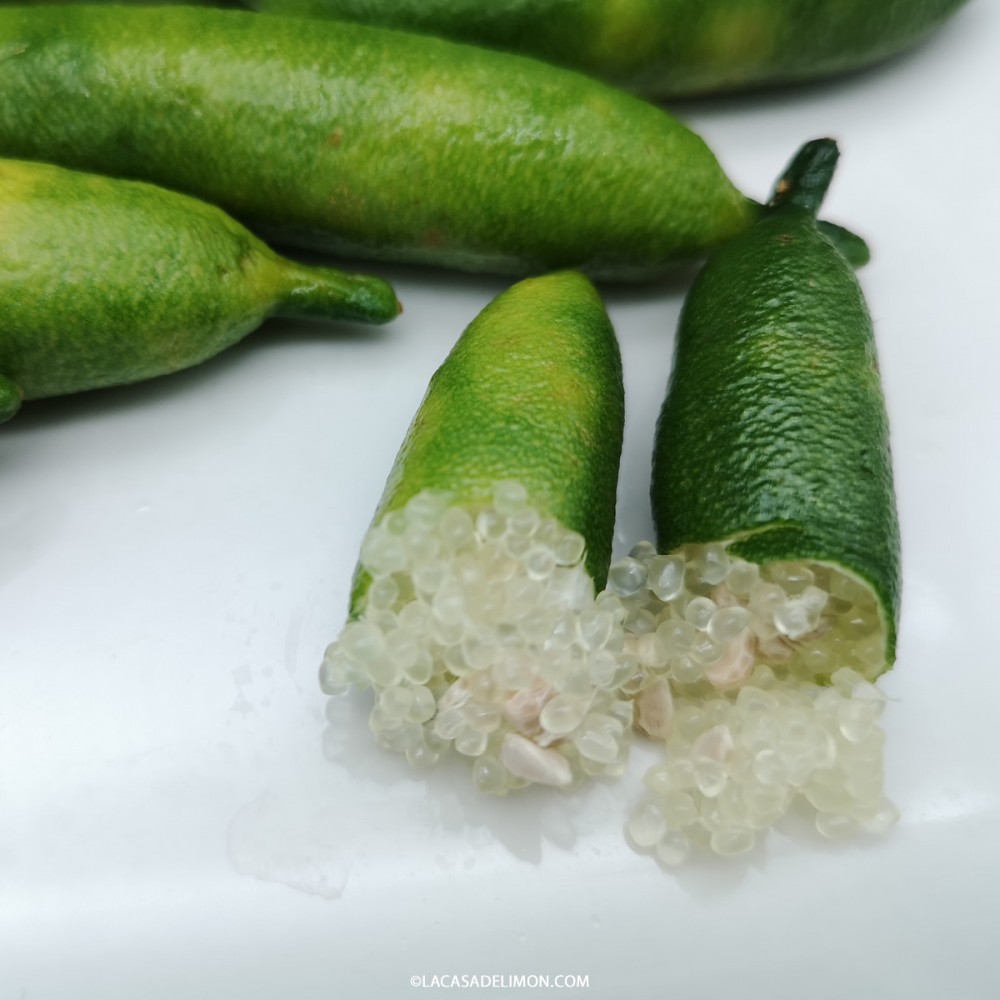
(178, 818)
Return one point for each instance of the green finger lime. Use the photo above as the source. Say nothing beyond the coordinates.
(105, 282)
(367, 141)
(773, 437)
(473, 614)
(665, 48)
(774, 601)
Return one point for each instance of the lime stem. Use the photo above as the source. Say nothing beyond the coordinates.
(326, 291)
(806, 179)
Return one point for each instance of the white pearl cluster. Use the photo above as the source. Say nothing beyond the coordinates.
(481, 632)
(735, 654)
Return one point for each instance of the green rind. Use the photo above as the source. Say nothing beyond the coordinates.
(105, 282)
(774, 433)
(10, 398)
(367, 141)
(665, 48)
(532, 391)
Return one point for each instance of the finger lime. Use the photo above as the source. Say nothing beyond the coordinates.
(105, 282)
(773, 605)
(366, 141)
(473, 613)
(665, 48)
(773, 437)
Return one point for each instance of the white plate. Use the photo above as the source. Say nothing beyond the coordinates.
(177, 818)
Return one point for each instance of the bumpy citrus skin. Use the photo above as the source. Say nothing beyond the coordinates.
(366, 141)
(665, 48)
(104, 282)
(532, 391)
(773, 434)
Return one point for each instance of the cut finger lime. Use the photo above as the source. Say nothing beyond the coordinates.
(473, 615)
(773, 605)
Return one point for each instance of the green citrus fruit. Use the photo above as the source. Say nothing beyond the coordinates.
(665, 48)
(366, 141)
(473, 614)
(773, 438)
(771, 605)
(104, 282)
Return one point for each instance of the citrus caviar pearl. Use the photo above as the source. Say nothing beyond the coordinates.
(481, 632)
(769, 705)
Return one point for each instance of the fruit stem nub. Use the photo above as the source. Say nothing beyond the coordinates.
(328, 292)
(806, 179)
